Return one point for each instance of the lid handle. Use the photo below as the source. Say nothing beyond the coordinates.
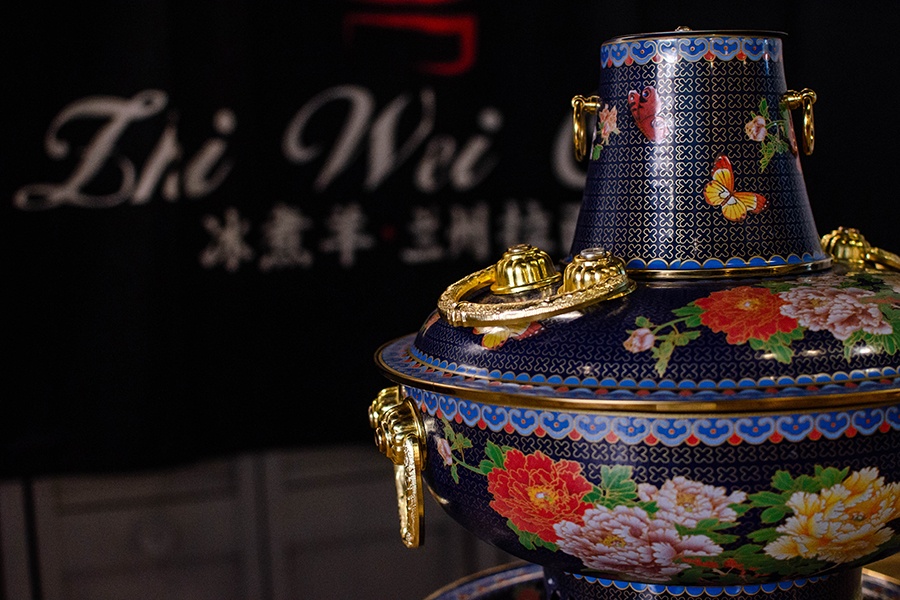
(592, 276)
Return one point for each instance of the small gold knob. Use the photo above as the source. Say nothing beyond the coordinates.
(523, 268)
(591, 267)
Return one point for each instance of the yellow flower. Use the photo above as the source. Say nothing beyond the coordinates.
(841, 523)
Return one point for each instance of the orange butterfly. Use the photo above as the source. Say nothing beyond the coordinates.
(720, 192)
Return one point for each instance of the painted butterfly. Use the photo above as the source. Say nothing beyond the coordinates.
(645, 108)
(720, 192)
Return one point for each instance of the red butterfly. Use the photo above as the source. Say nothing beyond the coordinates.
(645, 108)
(720, 192)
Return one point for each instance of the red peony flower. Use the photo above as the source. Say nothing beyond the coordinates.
(535, 492)
(745, 312)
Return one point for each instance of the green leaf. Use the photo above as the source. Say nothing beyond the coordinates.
(764, 107)
(494, 454)
(454, 473)
(643, 322)
(782, 353)
(684, 338)
(693, 321)
(461, 442)
(747, 549)
(764, 535)
(830, 476)
(740, 509)
(688, 310)
(783, 481)
(761, 499)
(773, 514)
(663, 353)
(486, 466)
(611, 476)
(594, 496)
(805, 483)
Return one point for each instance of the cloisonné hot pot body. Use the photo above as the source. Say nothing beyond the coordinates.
(703, 397)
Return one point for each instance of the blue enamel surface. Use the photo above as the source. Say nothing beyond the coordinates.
(589, 356)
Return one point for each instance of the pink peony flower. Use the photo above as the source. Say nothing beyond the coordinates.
(686, 502)
(626, 542)
(443, 448)
(607, 120)
(756, 128)
(840, 311)
(640, 340)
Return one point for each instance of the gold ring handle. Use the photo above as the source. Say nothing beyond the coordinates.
(848, 246)
(400, 435)
(804, 99)
(592, 276)
(581, 106)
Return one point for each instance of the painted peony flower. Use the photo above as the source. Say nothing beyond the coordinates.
(745, 312)
(686, 502)
(625, 541)
(607, 122)
(840, 311)
(756, 128)
(640, 340)
(444, 450)
(535, 492)
(840, 524)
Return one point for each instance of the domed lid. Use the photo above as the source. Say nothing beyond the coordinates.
(822, 339)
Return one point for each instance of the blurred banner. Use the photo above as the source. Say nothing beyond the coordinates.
(215, 212)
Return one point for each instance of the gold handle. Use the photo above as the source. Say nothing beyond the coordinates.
(804, 99)
(580, 107)
(400, 435)
(847, 245)
(592, 276)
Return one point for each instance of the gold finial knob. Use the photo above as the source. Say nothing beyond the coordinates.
(590, 267)
(848, 246)
(523, 268)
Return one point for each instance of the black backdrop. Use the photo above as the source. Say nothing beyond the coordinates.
(216, 211)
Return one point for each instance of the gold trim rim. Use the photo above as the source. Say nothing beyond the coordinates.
(819, 402)
(682, 33)
(732, 272)
(488, 572)
(875, 574)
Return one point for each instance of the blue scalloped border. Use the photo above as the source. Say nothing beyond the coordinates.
(690, 49)
(711, 430)
(697, 591)
(731, 263)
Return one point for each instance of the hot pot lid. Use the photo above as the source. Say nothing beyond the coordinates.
(829, 338)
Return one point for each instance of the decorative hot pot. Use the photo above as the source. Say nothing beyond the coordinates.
(702, 399)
